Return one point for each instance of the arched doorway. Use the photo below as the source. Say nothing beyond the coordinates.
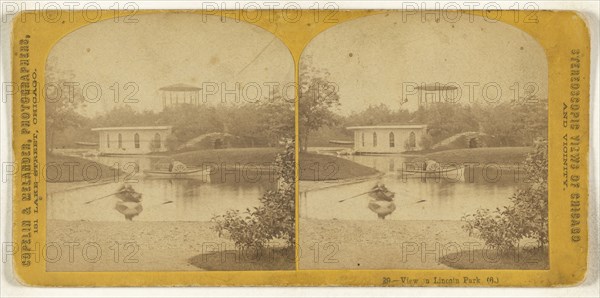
(412, 140)
(473, 143)
(374, 139)
(157, 141)
(218, 143)
(136, 140)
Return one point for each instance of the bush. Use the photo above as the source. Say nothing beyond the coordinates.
(275, 216)
(426, 142)
(172, 142)
(526, 217)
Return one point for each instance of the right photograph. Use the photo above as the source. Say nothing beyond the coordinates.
(423, 145)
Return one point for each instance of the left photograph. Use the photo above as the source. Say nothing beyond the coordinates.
(170, 146)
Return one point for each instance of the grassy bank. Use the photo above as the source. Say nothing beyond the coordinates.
(231, 156)
(63, 168)
(499, 155)
(319, 167)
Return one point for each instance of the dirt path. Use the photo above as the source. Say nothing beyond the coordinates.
(381, 244)
(142, 246)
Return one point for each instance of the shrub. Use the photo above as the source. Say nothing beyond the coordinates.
(172, 142)
(526, 217)
(274, 218)
(426, 142)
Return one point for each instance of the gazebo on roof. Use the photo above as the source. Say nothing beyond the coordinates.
(179, 94)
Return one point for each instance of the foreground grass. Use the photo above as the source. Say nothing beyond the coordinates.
(63, 168)
(230, 156)
(319, 167)
(251, 260)
(499, 155)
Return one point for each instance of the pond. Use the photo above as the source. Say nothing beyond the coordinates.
(416, 199)
(163, 199)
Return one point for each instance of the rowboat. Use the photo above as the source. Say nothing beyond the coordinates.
(382, 195)
(382, 201)
(455, 173)
(188, 173)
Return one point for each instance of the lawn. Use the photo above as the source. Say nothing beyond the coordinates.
(230, 156)
(498, 155)
(64, 168)
(319, 167)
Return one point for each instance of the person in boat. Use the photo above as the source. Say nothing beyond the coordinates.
(381, 193)
(130, 202)
(382, 201)
(177, 166)
(126, 193)
(430, 165)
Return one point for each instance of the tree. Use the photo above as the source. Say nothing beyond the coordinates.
(190, 121)
(378, 114)
(526, 217)
(122, 115)
(317, 97)
(446, 119)
(61, 101)
(274, 218)
(278, 120)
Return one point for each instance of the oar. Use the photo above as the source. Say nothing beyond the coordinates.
(358, 195)
(103, 197)
(158, 205)
(418, 202)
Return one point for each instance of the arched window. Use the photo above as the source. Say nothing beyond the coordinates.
(120, 141)
(363, 139)
(374, 139)
(392, 140)
(107, 140)
(136, 140)
(157, 140)
(412, 140)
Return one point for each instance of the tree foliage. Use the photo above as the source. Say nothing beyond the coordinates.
(526, 217)
(507, 123)
(61, 102)
(318, 96)
(514, 124)
(274, 218)
(376, 115)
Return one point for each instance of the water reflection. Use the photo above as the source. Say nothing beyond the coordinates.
(130, 202)
(415, 199)
(182, 199)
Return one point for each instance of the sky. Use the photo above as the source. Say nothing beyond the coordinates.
(165, 49)
(380, 59)
(374, 59)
